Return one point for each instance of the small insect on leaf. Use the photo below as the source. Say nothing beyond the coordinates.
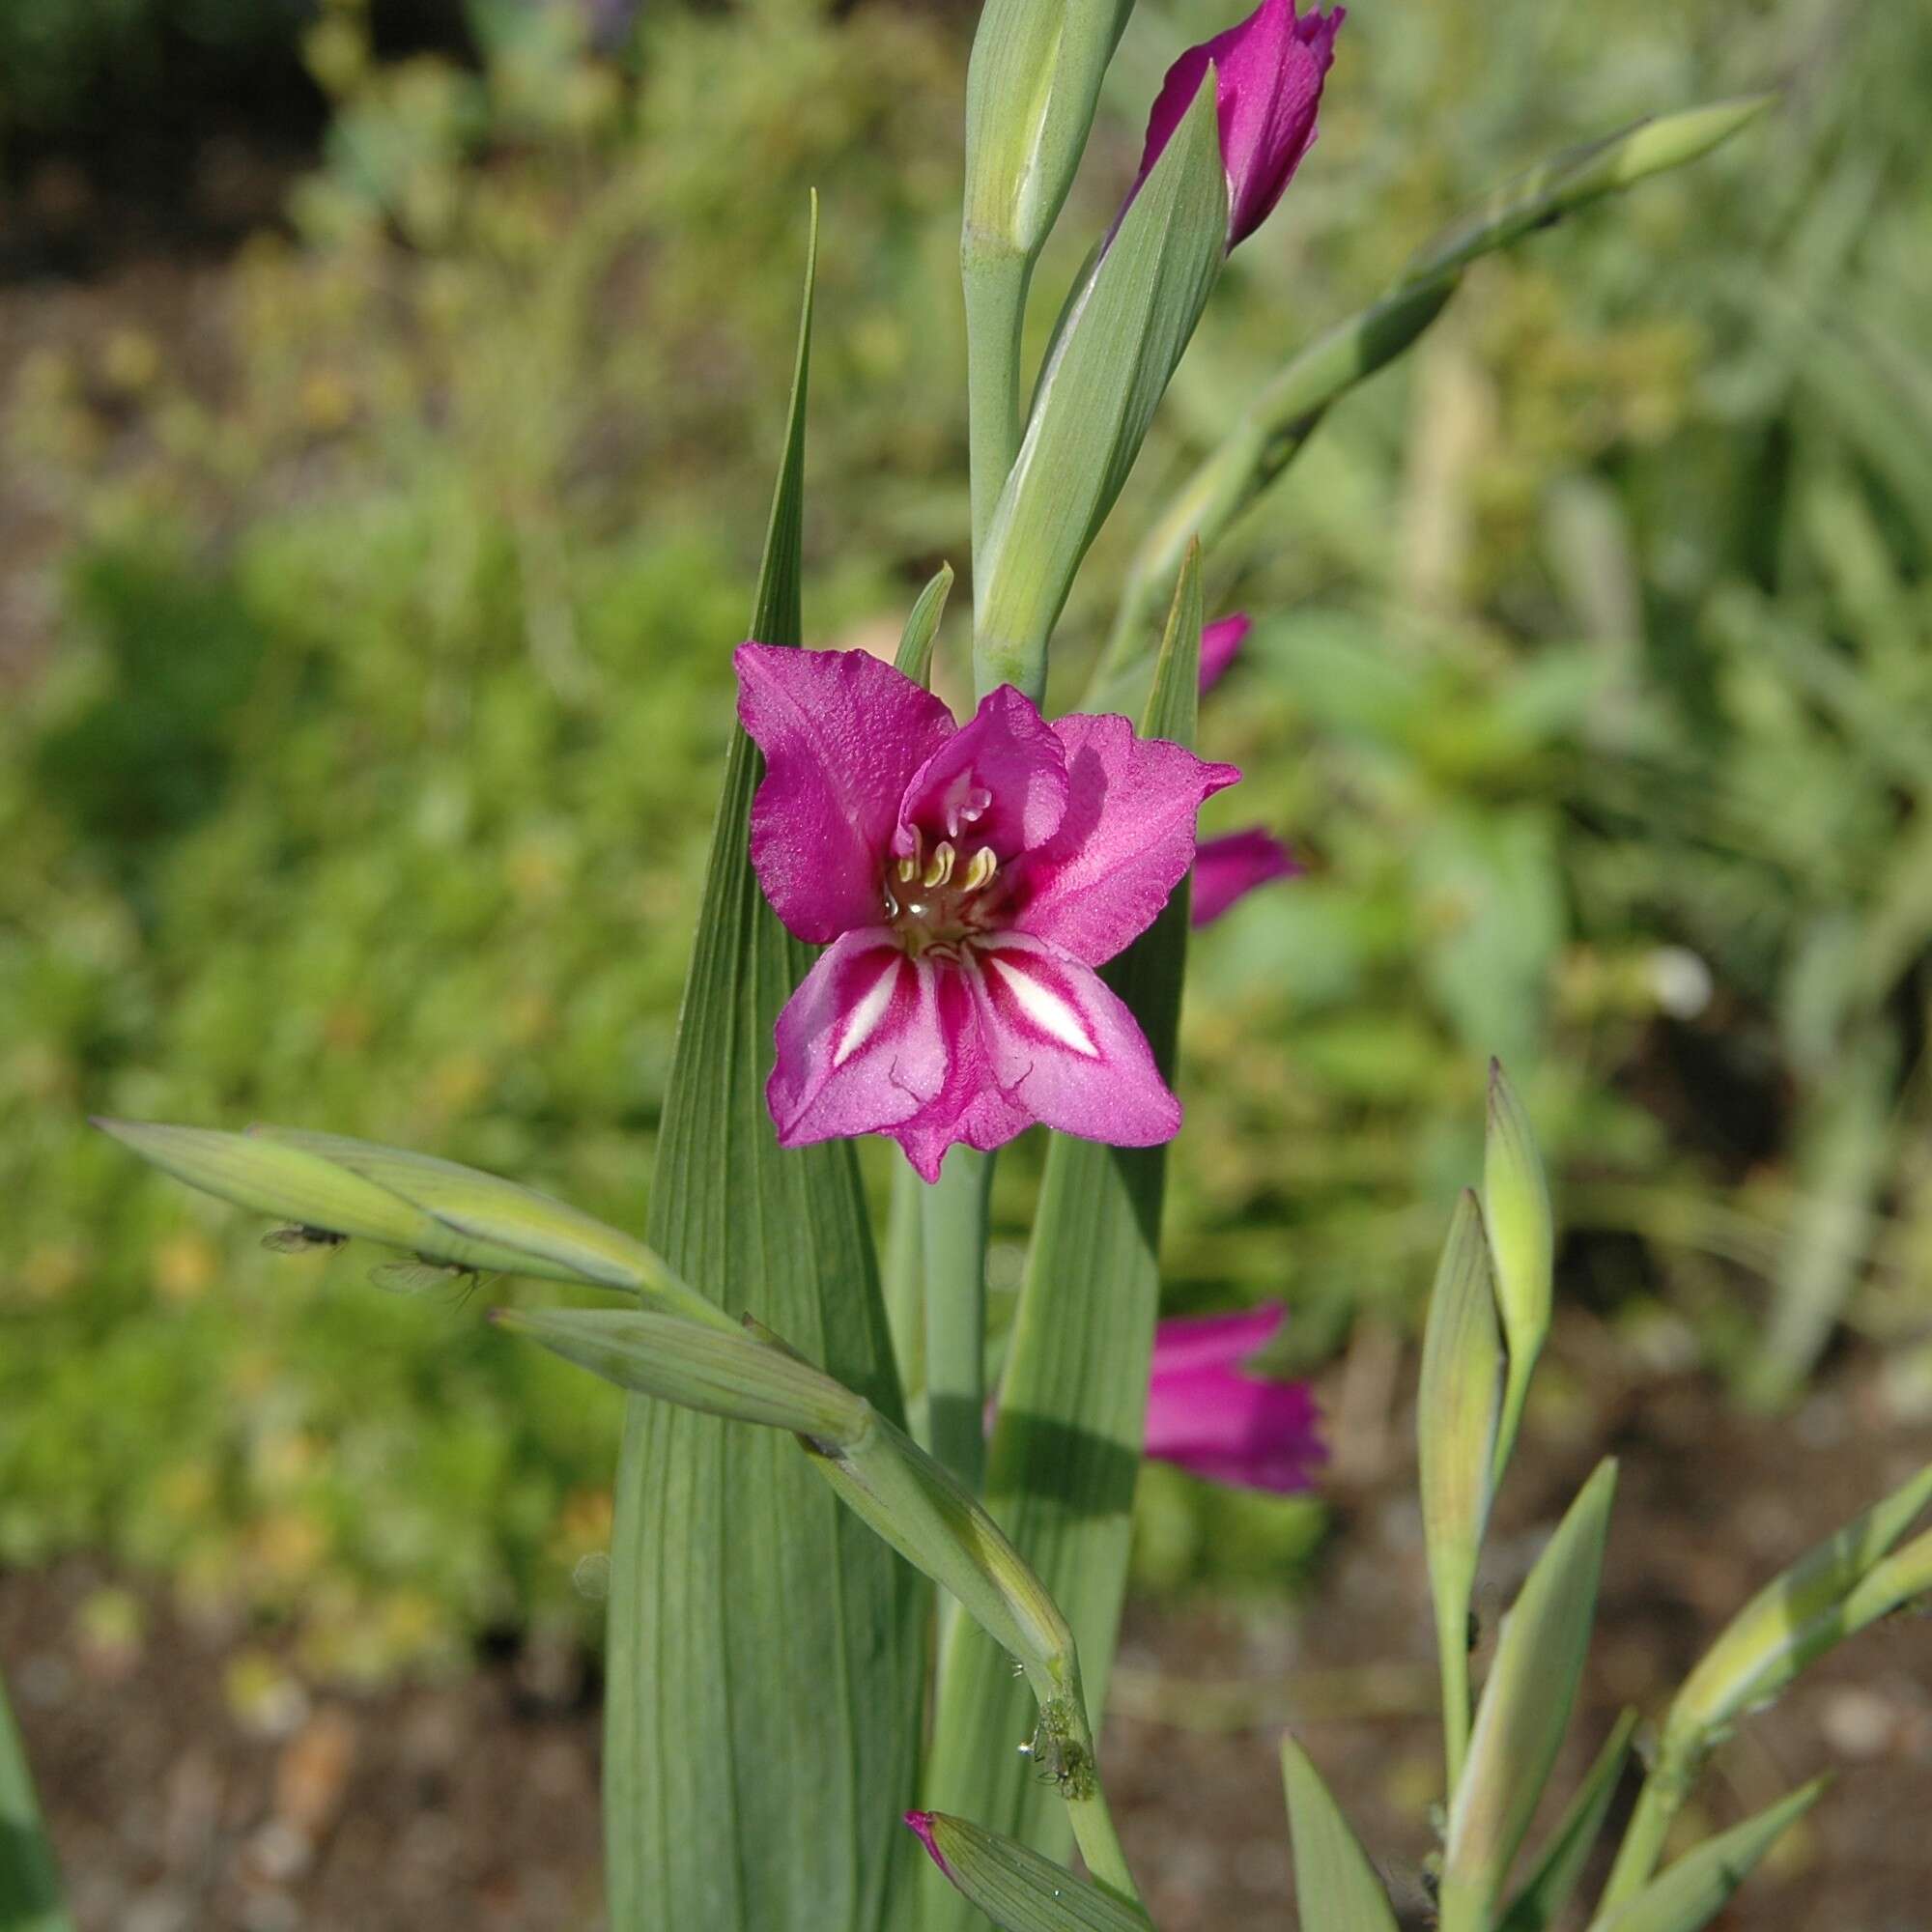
(418, 1275)
(1059, 1756)
(298, 1239)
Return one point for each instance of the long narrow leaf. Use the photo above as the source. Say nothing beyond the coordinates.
(762, 1710)
(1067, 1445)
(1336, 1888)
(1286, 413)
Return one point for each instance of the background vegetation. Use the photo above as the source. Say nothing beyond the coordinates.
(362, 712)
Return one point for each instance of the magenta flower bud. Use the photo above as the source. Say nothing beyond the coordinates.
(920, 1824)
(1207, 1417)
(1221, 643)
(1268, 77)
(1230, 866)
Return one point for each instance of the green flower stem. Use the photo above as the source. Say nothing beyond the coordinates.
(1665, 1787)
(902, 1264)
(996, 279)
(952, 1220)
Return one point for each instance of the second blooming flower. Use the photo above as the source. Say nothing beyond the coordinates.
(966, 881)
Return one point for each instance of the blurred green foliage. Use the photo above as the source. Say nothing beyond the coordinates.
(364, 777)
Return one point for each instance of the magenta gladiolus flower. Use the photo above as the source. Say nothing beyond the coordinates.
(966, 881)
(1269, 75)
(1215, 1422)
(1230, 866)
(1220, 643)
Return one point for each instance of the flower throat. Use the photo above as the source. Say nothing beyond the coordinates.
(935, 902)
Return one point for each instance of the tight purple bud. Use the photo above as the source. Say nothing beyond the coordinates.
(1269, 75)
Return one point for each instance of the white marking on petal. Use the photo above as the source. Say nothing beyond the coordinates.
(865, 1018)
(1055, 1015)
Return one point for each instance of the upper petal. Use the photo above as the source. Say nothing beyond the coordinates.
(1229, 868)
(861, 1045)
(999, 781)
(1187, 1343)
(1269, 74)
(1125, 841)
(1065, 1048)
(1235, 1428)
(1270, 70)
(841, 734)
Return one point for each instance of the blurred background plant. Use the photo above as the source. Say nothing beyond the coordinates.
(364, 659)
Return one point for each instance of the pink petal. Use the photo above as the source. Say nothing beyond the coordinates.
(999, 781)
(1237, 1430)
(971, 1108)
(1063, 1046)
(1269, 70)
(842, 734)
(1125, 841)
(1187, 1343)
(861, 1045)
(1220, 643)
(1230, 866)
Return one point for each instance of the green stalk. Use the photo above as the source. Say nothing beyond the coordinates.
(1664, 1789)
(996, 279)
(952, 1220)
(902, 1264)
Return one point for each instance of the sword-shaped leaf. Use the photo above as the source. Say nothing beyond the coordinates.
(761, 1716)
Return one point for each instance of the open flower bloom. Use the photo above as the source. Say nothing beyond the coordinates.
(1208, 1418)
(1269, 71)
(1230, 866)
(966, 882)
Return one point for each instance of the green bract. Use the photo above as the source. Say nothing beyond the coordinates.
(1118, 346)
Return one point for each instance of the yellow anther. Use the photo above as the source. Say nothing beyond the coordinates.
(980, 870)
(907, 868)
(940, 870)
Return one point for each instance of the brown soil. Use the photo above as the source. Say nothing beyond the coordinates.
(193, 1782)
